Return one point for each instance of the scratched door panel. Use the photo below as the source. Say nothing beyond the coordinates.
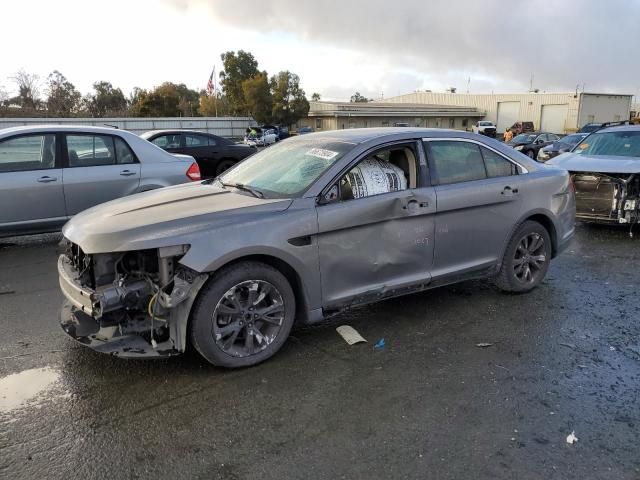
(376, 243)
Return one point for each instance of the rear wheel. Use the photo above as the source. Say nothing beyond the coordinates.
(243, 315)
(224, 165)
(526, 259)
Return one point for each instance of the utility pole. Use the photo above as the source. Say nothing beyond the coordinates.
(531, 83)
(468, 84)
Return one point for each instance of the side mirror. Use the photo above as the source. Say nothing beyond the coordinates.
(331, 196)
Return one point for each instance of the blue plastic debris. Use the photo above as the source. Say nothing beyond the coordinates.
(380, 344)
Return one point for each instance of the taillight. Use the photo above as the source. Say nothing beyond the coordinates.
(194, 172)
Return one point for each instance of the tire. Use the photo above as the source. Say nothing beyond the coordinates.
(221, 335)
(530, 154)
(521, 256)
(224, 165)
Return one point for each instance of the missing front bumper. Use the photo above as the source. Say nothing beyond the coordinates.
(127, 342)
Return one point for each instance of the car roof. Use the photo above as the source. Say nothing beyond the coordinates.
(59, 128)
(361, 135)
(175, 131)
(621, 128)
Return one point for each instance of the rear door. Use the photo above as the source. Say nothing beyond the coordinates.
(98, 168)
(478, 204)
(31, 195)
(171, 142)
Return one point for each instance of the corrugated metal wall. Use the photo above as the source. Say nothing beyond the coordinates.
(530, 103)
(223, 126)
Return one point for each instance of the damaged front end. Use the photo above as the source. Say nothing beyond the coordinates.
(129, 304)
(607, 197)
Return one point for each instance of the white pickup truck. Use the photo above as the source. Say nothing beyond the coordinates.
(484, 127)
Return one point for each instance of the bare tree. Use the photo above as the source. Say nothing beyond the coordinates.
(28, 90)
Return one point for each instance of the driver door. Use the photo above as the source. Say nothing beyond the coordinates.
(373, 244)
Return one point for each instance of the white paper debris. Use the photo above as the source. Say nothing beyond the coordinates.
(322, 153)
(571, 438)
(350, 335)
(484, 345)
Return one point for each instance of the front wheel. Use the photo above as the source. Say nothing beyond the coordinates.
(243, 315)
(526, 259)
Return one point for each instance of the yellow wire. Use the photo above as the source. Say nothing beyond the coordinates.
(152, 315)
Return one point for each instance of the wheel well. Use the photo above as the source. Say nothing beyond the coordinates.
(548, 225)
(289, 273)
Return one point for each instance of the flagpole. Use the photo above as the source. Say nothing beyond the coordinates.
(215, 91)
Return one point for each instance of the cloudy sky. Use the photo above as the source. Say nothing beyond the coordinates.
(378, 47)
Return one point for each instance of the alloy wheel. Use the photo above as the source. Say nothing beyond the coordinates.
(248, 318)
(530, 258)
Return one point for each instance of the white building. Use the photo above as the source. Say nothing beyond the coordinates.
(341, 115)
(551, 112)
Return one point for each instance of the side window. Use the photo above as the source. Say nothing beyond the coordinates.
(123, 152)
(196, 140)
(90, 150)
(385, 171)
(167, 141)
(31, 152)
(497, 165)
(456, 162)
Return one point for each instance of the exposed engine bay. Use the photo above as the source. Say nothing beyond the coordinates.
(607, 197)
(134, 303)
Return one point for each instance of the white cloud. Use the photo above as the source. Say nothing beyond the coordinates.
(337, 47)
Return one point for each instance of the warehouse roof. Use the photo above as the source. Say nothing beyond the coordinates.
(381, 109)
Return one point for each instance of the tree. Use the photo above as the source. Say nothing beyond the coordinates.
(28, 90)
(289, 101)
(258, 99)
(211, 106)
(63, 98)
(315, 97)
(162, 101)
(357, 98)
(188, 100)
(106, 101)
(236, 69)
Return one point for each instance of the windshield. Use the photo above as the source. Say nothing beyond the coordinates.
(620, 144)
(485, 124)
(287, 169)
(524, 138)
(572, 139)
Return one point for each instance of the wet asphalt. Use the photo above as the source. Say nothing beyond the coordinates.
(430, 404)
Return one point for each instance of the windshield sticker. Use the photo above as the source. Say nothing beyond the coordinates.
(322, 153)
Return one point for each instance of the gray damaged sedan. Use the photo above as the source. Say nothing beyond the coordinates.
(303, 230)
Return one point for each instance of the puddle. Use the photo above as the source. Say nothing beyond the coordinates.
(19, 389)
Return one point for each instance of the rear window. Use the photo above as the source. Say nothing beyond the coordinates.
(457, 162)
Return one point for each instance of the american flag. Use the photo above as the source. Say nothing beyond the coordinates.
(210, 85)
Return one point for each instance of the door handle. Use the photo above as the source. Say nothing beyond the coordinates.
(47, 179)
(509, 191)
(127, 173)
(415, 204)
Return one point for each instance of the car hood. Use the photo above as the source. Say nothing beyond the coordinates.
(164, 217)
(515, 144)
(577, 162)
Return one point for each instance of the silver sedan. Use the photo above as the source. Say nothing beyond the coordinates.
(50, 173)
(302, 230)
